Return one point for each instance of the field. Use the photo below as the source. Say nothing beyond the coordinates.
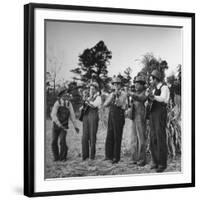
(75, 167)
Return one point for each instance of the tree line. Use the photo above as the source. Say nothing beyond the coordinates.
(93, 64)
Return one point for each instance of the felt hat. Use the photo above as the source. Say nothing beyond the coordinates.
(155, 73)
(140, 79)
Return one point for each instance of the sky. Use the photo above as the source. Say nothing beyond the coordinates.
(65, 41)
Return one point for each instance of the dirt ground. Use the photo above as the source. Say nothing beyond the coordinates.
(75, 167)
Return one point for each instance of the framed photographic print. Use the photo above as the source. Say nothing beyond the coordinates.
(109, 99)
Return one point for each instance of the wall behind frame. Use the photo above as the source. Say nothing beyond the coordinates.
(11, 101)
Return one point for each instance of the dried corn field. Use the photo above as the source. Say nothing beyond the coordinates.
(75, 167)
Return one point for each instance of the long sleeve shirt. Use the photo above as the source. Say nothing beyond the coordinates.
(138, 106)
(96, 103)
(139, 96)
(120, 101)
(71, 110)
(165, 94)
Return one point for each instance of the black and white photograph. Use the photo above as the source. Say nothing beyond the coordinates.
(109, 102)
(112, 99)
(99, 99)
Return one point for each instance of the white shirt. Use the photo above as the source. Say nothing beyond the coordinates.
(71, 110)
(165, 93)
(96, 103)
(121, 101)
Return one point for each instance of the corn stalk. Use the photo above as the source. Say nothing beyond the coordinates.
(173, 131)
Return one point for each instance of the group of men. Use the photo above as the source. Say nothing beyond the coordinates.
(116, 101)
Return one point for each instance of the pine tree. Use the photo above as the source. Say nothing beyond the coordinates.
(93, 63)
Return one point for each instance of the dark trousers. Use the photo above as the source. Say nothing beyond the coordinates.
(139, 139)
(158, 145)
(116, 122)
(59, 153)
(90, 127)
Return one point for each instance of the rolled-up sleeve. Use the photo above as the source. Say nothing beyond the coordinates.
(96, 103)
(109, 100)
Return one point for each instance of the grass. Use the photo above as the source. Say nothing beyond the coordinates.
(75, 167)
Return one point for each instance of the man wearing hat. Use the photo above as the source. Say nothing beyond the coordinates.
(117, 102)
(62, 111)
(90, 122)
(138, 141)
(158, 121)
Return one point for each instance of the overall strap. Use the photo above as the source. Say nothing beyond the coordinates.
(113, 100)
(59, 101)
(64, 103)
(162, 85)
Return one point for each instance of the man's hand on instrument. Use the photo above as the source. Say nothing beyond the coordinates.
(151, 97)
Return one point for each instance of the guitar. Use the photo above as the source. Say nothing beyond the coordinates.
(86, 106)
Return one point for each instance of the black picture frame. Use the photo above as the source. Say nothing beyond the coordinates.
(29, 95)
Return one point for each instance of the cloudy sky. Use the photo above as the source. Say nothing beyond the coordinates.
(66, 40)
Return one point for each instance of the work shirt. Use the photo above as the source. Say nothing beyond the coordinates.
(165, 93)
(138, 107)
(119, 101)
(71, 110)
(95, 101)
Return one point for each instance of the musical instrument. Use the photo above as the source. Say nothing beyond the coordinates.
(149, 102)
(86, 106)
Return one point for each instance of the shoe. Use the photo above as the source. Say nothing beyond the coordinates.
(154, 166)
(105, 159)
(56, 159)
(133, 162)
(63, 159)
(160, 169)
(141, 163)
(115, 161)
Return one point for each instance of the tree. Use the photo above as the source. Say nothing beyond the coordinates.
(93, 64)
(179, 78)
(171, 79)
(75, 98)
(177, 82)
(122, 78)
(54, 65)
(127, 75)
(150, 63)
